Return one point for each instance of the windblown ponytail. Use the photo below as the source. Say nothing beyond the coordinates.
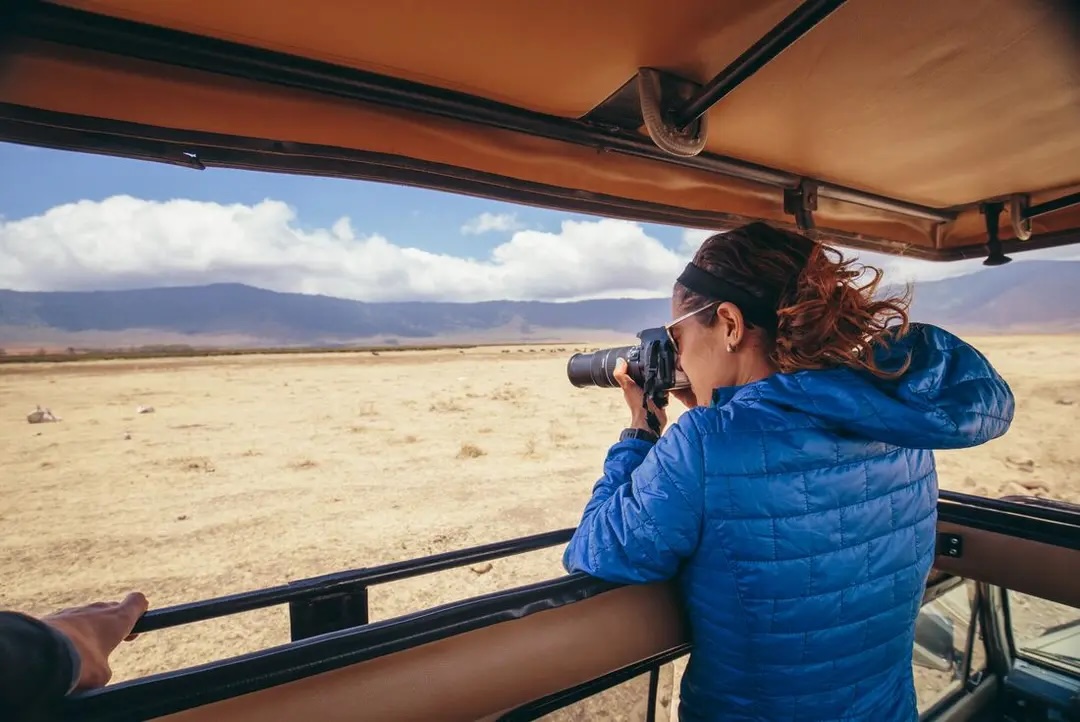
(830, 316)
(827, 310)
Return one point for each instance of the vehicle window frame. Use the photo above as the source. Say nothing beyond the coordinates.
(963, 685)
(1017, 652)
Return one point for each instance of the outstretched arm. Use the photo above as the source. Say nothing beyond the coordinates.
(644, 517)
(41, 660)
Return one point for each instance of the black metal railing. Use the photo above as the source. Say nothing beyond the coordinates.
(333, 601)
(1043, 509)
(347, 590)
(1057, 204)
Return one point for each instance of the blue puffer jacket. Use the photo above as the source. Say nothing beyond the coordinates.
(798, 514)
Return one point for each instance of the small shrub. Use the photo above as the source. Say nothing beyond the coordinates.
(197, 464)
(556, 433)
(470, 451)
(508, 392)
(530, 449)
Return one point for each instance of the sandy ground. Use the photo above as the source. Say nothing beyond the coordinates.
(254, 471)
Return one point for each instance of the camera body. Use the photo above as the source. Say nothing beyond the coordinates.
(652, 364)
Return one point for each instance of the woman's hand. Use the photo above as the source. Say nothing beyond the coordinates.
(634, 396)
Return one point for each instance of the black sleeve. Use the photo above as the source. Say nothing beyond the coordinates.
(37, 668)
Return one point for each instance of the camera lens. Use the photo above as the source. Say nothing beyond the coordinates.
(596, 368)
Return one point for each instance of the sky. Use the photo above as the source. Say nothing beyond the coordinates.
(75, 221)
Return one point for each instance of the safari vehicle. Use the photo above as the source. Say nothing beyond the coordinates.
(933, 129)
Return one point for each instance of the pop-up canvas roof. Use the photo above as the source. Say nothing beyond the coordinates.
(884, 124)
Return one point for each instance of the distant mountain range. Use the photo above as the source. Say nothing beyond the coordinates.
(1024, 296)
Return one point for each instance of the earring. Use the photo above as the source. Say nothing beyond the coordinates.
(730, 348)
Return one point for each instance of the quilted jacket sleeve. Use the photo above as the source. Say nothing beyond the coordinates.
(645, 514)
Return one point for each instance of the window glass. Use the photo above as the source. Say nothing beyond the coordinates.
(1045, 631)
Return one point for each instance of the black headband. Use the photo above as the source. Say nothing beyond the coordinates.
(755, 310)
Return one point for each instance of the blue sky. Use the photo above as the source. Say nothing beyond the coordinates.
(72, 221)
(34, 180)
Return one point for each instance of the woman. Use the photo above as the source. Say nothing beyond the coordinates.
(796, 500)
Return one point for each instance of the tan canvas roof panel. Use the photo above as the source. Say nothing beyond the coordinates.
(899, 117)
(561, 57)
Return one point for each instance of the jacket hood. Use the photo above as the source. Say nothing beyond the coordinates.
(950, 397)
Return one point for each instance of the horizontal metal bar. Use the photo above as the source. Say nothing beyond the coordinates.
(1058, 204)
(317, 586)
(77, 28)
(1048, 526)
(1047, 509)
(881, 203)
(950, 502)
(757, 56)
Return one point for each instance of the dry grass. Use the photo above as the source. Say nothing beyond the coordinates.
(470, 451)
(446, 406)
(239, 481)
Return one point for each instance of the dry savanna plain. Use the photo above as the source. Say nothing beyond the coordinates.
(259, 470)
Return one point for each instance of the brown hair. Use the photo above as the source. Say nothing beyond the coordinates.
(826, 315)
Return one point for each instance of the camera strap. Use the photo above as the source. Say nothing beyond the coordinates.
(757, 311)
(660, 400)
(652, 419)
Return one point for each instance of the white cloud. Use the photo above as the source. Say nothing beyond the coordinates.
(488, 222)
(692, 238)
(125, 242)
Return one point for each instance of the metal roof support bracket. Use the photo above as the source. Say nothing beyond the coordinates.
(684, 142)
(992, 212)
(801, 202)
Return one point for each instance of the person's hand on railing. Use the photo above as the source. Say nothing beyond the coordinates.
(95, 630)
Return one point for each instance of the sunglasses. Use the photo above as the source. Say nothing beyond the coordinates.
(671, 324)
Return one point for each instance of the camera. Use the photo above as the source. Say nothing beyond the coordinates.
(651, 364)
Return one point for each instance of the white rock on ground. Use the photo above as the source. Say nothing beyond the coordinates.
(41, 416)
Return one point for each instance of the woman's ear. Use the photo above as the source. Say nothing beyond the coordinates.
(731, 320)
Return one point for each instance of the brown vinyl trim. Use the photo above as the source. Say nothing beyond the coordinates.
(201, 150)
(1022, 565)
(479, 673)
